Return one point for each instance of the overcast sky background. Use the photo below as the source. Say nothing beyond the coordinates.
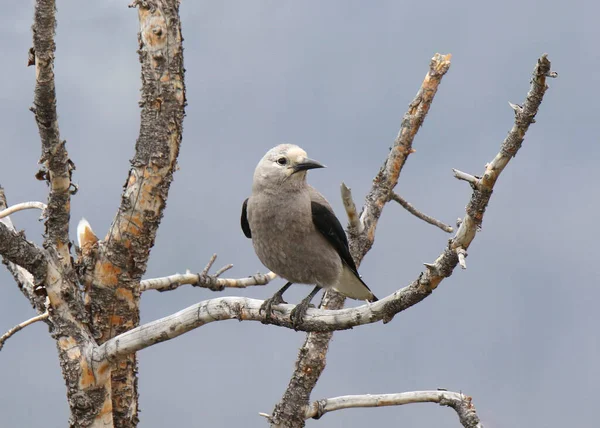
(518, 330)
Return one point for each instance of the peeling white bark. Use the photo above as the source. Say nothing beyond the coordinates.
(458, 401)
(203, 280)
(354, 222)
(24, 206)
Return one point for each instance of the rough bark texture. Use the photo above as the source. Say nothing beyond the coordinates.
(122, 256)
(289, 412)
(16, 249)
(57, 166)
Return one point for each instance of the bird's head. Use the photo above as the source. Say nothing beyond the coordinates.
(284, 165)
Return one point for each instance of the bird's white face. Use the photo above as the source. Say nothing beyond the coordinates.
(285, 164)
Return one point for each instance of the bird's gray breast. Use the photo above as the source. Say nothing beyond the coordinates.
(286, 241)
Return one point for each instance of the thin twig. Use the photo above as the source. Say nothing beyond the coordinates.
(464, 176)
(24, 324)
(224, 269)
(209, 264)
(411, 209)
(461, 403)
(24, 206)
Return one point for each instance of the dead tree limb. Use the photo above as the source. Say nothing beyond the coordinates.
(123, 254)
(23, 277)
(57, 167)
(311, 358)
(212, 282)
(461, 403)
(23, 206)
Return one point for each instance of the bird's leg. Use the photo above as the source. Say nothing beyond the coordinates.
(297, 315)
(277, 299)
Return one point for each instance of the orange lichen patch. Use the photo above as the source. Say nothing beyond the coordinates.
(103, 369)
(116, 320)
(165, 77)
(69, 345)
(434, 282)
(106, 411)
(132, 180)
(107, 273)
(124, 294)
(86, 377)
(133, 225)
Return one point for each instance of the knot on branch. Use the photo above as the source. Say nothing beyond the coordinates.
(319, 408)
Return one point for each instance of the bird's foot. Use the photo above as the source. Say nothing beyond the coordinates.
(268, 304)
(297, 315)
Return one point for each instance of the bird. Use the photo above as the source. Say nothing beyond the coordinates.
(295, 232)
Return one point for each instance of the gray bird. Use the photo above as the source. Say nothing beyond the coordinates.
(295, 232)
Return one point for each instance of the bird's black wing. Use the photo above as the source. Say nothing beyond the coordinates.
(244, 220)
(327, 223)
(329, 226)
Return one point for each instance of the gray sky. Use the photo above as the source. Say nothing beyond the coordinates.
(515, 330)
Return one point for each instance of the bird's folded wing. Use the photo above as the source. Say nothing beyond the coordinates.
(244, 220)
(329, 226)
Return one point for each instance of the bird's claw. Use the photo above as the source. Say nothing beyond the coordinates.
(268, 304)
(297, 315)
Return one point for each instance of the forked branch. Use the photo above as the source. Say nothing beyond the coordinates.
(311, 358)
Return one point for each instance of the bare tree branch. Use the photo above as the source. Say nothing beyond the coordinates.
(394, 196)
(461, 403)
(464, 176)
(55, 159)
(311, 358)
(122, 256)
(212, 282)
(24, 324)
(18, 250)
(246, 309)
(23, 206)
(24, 279)
(354, 223)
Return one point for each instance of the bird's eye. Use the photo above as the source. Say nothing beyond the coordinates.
(282, 161)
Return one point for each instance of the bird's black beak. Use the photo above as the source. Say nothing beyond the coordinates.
(307, 164)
